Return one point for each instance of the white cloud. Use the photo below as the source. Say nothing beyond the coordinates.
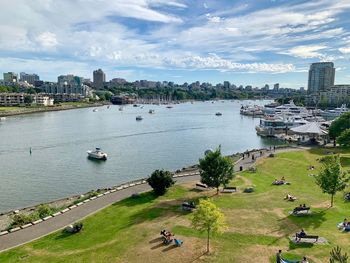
(47, 40)
(345, 50)
(307, 51)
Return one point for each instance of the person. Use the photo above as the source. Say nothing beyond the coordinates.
(283, 179)
(279, 256)
(300, 235)
(304, 205)
(253, 157)
(304, 260)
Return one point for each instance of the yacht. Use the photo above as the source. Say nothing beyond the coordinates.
(139, 118)
(94, 110)
(218, 114)
(151, 111)
(332, 114)
(254, 111)
(97, 154)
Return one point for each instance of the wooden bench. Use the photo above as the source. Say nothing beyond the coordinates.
(201, 186)
(188, 206)
(229, 189)
(306, 237)
(300, 209)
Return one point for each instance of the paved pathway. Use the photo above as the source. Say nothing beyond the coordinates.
(26, 235)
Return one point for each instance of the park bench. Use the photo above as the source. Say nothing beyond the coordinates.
(297, 236)
(186, 206)
(297, 210)
(229, 189)
(201, 186)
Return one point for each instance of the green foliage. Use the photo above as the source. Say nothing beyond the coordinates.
(20, 220)
(215, 169)
(44, 211)
(339, 125)
(208, 217)
(28, 99)
(338, 256)
(160, 180)
(331, 178)
(9, 89)
(344, 138)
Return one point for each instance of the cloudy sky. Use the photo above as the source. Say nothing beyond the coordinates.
(245, 42)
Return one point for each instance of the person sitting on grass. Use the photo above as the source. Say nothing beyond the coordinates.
(304, 260)
(343, 224)
(290, 198)
(178, 242)
(300, 235)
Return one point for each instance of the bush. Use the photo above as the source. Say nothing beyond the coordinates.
(20, 220)
(344, 138)
(160, 180)
(44, 211)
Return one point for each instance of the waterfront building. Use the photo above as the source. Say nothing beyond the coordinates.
(321, 77)
(29, 78)
(43, 100)
(99, 78)
(10, 77)
(12, 99)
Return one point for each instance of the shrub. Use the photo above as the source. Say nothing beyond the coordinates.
(20, 220)
(44, 211)
(160, 181)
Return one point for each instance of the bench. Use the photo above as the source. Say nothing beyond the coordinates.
(300, 209)
(201, 186)
(229, 189)
(188, 206)
(297, 236)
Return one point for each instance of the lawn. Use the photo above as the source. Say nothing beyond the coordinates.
(258, 223)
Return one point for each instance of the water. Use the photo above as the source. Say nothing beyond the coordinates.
(58, 166)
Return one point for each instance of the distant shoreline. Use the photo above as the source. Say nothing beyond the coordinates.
(27, 110)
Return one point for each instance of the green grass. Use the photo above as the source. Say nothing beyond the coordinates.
(258, 223)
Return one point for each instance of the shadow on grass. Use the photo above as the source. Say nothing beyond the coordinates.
(313, 220)
(156, 240)
(157, 246)
(140, 199)
(294, 245)
(65, 234)
(169, 247)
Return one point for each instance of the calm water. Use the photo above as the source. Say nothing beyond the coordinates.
(58, 167)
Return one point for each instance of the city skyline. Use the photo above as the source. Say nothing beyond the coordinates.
(180, 41)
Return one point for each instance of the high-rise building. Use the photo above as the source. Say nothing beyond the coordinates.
(321, 77)
(99, 78)
(10, 77)
(69, 80)
(29, 78)
(276, 87)
(227, 84)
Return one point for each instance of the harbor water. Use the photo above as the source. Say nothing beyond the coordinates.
(58, 166)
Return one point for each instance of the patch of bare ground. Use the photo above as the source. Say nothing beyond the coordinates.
(246, 181)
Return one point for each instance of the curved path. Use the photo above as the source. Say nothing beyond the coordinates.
(58, 222)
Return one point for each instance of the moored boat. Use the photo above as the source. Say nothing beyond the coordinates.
(139, 118)
(97, 154)
(218, 114)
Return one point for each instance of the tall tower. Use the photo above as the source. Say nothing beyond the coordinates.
(99, 79)
(321, 76)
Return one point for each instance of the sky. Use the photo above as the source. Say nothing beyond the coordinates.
(244, 42)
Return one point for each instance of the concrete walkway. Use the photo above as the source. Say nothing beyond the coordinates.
(58, 222)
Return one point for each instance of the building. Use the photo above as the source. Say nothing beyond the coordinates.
(12, 99)
(227, 84)
(321, 77)
(10, 77)
(69, 80)
(29, 78)
(99, 78)
(43, 100)
(276, 87)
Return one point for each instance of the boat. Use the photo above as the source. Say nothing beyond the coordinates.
(95, 110)
(151, 111)
(135, 105)
(2, 118)
(332, 114)
(97, 154)
(169, 107)
(108, 107)
(254, 111)
(139, 118)
(218, 114)
(120, 108)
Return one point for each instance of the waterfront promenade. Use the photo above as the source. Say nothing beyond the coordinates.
(58, 222)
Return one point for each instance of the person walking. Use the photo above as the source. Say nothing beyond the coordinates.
(279, 256)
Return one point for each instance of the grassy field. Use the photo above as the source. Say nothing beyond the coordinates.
(258, 223)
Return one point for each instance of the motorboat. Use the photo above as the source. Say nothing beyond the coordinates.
(97, 154)
(120, 109)
(2, 118)
(151, 111)
(95, 110)
(139, 118)
(169, 107)
(254, 111)
(218, 114)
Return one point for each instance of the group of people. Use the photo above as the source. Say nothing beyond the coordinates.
(279, 182)
(300, 208)
(279, 259)
(345, 225)
(168, 237)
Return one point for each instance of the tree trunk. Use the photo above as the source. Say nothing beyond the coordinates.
(208, 244)
(332, 197)
(217, 190)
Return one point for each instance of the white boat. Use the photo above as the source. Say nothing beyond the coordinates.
(95, 110)
(2, 118)
(254, 111)
(151, 111)
(97, 154)
(139, 118)
(218, 114)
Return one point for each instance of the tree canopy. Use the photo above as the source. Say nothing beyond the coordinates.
(331, 178)
(339, 125)
(208, 217)
(215, 169)
(344, 138)
(160, 181)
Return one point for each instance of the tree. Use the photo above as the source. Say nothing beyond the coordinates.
(28, 99)
(337, 256)
(215, 169)
(344, 138)
(208, 217)
(331, 178)
(160, 180)
(339, 125)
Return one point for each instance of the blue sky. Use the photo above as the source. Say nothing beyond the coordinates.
(245, 42)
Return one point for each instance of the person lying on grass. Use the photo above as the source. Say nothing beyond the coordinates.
(290, 198)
